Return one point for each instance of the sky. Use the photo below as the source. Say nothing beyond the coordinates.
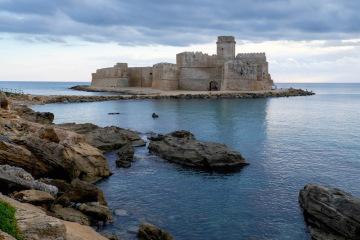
(67, 40)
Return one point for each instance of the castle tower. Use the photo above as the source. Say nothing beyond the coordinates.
(226, 47)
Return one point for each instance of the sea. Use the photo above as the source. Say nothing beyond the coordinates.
(288, 142)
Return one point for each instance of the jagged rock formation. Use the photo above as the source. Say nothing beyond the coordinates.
(181, 147)
(194, 71)
(330, 213)
(148, 231)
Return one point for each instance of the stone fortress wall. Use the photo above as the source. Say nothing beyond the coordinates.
(194, 71)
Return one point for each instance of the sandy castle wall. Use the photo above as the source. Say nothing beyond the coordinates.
(195, 71)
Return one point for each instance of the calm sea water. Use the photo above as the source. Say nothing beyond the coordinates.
(288, 142)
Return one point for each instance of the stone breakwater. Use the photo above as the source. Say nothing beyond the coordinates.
(32, 99)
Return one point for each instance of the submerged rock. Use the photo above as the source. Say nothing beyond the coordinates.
(148, 231)
(330, 212)
(15, 179)
(154, 115)
(105, 138)
(181, 147)
(125, 156)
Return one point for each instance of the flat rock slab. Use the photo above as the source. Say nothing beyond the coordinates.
(330, 212)
(181, 147)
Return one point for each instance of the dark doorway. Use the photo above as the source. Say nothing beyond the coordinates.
(213, 86)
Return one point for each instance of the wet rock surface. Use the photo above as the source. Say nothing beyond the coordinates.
(105, 138)
(330, 212)
(125, 156)
(148, 231)
(181, 147)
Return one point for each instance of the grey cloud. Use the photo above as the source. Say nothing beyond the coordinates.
(181, 22)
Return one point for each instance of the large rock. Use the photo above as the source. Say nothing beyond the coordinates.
(34, 224)
(33, 116)
(181, 147)
(70, 214)
(15, 179)
(35, 197)
(125, 156)
(96, 211)
(104, 138)
(79, 192)
(46, 151)
(148, 231)
(330, 212)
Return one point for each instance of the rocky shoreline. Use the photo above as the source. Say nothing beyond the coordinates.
(48, 171)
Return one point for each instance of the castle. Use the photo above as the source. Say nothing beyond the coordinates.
(194, 71)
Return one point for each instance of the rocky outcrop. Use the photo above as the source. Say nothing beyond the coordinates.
(330, 212)
(70, 214)
(48, 151)
(77, 192)
(105, 138)
(34, 224)
(125, 156)
(148, 231)
(34, 197)
(15, 179)
(181, 147)
(96, 211)
(33, 116)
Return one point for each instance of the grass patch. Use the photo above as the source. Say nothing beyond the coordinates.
(8, 221)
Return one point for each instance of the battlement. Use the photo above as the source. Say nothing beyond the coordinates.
(195, 59)
(252, 56)
(226, 39)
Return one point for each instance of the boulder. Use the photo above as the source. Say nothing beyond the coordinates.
(80, 192)
(70, 214)
(330, 212)
(33, 116)
(104, 138)
(34, 224)
(125, 156)
(96, 211)
(34, 197)
(15, 179)
(148, 231)
(181, 147)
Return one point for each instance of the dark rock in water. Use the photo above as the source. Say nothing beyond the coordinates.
(32, 116)
(148, 231)
(105, 138)
(96, 211)
(125, 156)
(113, 113)
(110, 236)
(15, 179)
(181, 147)
(330, 212)
(154, 115)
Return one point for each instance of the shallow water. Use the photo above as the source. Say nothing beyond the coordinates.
(287, 141)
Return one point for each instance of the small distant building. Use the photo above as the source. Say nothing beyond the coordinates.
(194, 71)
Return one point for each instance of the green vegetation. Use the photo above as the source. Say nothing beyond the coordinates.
(8, 221)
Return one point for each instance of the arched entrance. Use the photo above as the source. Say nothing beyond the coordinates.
(213, 86)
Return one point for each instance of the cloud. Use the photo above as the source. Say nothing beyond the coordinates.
(180, 22)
